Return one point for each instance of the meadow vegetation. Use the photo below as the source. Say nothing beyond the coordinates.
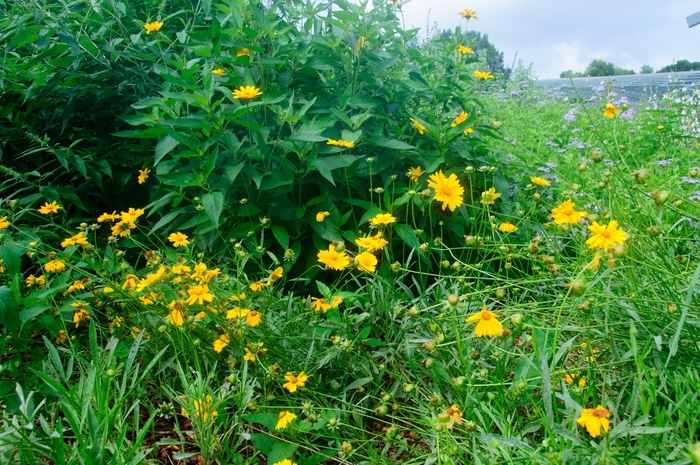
(283, 232)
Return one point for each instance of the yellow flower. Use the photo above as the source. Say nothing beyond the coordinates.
(4, 224)
(2, 268)
(150, 279)
(220, 343)
(244, 52)
(78, 239)
(253, 351)
(564, 213)
(153, 27)
(107, 290)
(199, 270)
(455, 414)
(372, 243)
(294, 382)
(54, 266)
(367, 262)
(333, 259)
(132, 215)
(76, 286)
(604, 236)
(594, 263)
(341, 143)
(80, 313)
(176, 316)
(489, 197)
(594, 420)
(460, 119)
(143, 175)
(148, 298)
(61, 337)
(277, 274)
(320, 216)
(253, 318)
(247, 92)
(285, 418)
(507, 227)
(482, 75)
(419, 127)
(219, 71)
(362, 42)
(286, 461)
(610, 111)
(320, 304)
(336, 301)
(415, 173)
(464, 50)
(180, 269)
(237, 313)
(199, 294)
(569, 378)
(178, 239)
(487, 324)
(123, 229)
(382, 218)
(47, 208)
(468, 14)
(202, 409)
(447, 190)
(108, 217)
(539, 181)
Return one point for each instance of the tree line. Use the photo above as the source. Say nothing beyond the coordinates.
(605, 68)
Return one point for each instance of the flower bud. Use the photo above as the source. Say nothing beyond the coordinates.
(618, 251)
(654, 231)
(428, 362)
(582, 166)
(453, 299)
(408, 387)
(693, 173)
(597, 156)
(430, 346)
(381, 410)
(641, 175)
(578, 287)
(459, 380)
(671, 308)
(661, 197)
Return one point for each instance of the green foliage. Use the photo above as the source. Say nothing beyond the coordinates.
(680, 65)
(646, 69)
(598, 68)
(485, 50)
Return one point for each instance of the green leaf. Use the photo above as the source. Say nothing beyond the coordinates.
(233, 171)
(280, 451)
(213, 204)
(407, 234)
(327, 164)
(9, 318)
(268, 420)
(29, 313)
(281, 235)
(307, 137)
(390, 143)
(165, 145)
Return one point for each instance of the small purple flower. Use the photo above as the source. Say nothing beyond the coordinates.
(688, 180)
(695, 196)
(581, 146)
(570, 117)
(561, 151)
(664, 163)
(628, 114)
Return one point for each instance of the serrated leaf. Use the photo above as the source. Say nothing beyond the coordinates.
(281, 235)
(213, 204)
(165, 145)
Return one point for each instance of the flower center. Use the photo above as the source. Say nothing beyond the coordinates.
(599, 413)
(485, 315)
(605, 234)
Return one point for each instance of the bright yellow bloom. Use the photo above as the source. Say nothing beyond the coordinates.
(54, 266)
(76, 286)
(253, 351)
(247, 92)
(294, 382)
(487, 324)
(287, 461)
(460, 119)
(61, 337)
(143, 175)
(320, 216)
(176, 315)
(336, 301)
(47, 208)
(594, 420)
(108, 217)
(320, 304)
(31, 280)
(80, 313)
(419, 127)
(153, 27)
(333, 259)
(199, 270)
(199, 294)
(219, 71)
(468, 14)
(149, 298)
(415, 173)
(482, 75)
(564, 213)
(362, 42)
(202, 409)
(604, 236)
(489, 197)
(220, 343)
(382, 218)
(256, 287)
(610, 111)
(253, 318)
(367, 262)
(178, 239)
(455, 414)
(569, 378)
(372, 243)
(132, 215)
(123, 229)
(78, 239)
(465, 50)
(180, 269)
(539, 181)
(447, 190)
(150, 279)
(277, 274)
(341, 143)
(244, 52)
(237, 312)
(4, 224)
(507, 227)
(285, 418)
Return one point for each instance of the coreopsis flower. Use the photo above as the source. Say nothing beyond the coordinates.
(143, 175)
(294, 382)
(176, 315)
(285, 418)
(108, 217)
(320, 304)
(246, 92)
(219, 71)
(244, 52)
(570, 378)
(460, 119)
(199, 294)
(199, 270)
(76, 286)
(123, 228)
(415, 173)
(594, 419)
(149, 298)
(333, 259)
(257, 287)
(132, 215)
(237, 312)
(336, 301)
(130, 282)
(482, 75)
(468, 14)
(464, 50)
(180, 269)
(507, 227)
(220, 343)
(367, 262)
(54, 266)
(489, 197)
(419, 127)
(538, 181)
(178, 239)
(455, 414)
(341, 143)
(361, 42)
(253, 318)
(487, 324)
(61, 337)
(447, 190)
(564, 213)
(610, 111)
(202, 409)
(320, 216)
(150, 279)
(80, 313)
(47, 208)
(287, 461)
(382, 218)
(277, 274)
(372, 243)
(4, 224)
(117, 321)
(605, 237)
(78, 239)
(153, 27)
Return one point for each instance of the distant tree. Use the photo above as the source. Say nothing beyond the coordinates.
(570, 74)
(646, 69)
(681, 65)
(600, 68)
(622, 71)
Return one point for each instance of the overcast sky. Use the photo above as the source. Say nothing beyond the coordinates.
(556, 35)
